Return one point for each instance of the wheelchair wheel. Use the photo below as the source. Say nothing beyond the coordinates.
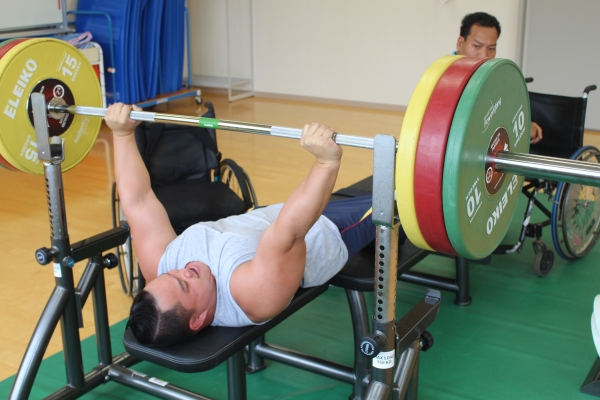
(543, 261)
(544, 258)
(125, 251)
(236, 178)
(556, 223)
(576, 213)
(581, 213)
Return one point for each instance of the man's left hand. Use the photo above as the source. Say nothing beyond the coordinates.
(536, 133)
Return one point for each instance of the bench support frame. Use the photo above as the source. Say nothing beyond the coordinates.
(401, 339)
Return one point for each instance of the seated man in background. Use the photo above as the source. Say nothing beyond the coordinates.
(241, 270)
(479, 33)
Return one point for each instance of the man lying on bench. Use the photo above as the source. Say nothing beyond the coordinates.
(241, 270)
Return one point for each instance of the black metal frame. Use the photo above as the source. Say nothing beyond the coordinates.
(400, 340)
(459, 285)
(66, 301)
(591, 385)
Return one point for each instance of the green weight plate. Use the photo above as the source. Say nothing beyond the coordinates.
(492, 115)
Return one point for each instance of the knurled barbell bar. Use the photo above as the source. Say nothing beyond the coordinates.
(465, 157)
(530, 165)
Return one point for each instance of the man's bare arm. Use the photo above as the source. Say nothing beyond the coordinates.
(151, 230)
(265, 285)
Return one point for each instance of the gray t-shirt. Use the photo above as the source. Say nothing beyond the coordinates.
(225, 244)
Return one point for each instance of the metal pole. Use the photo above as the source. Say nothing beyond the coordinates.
(150, 385)
(236, 126)
(38, 344)
(534, 166)
(62, 257)
(554, 169)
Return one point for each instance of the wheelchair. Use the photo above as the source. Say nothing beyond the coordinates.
(190, 179)
(574, 217)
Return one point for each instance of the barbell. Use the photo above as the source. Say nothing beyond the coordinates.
(461, 153)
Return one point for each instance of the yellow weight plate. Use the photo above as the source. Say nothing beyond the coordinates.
(58, 70)
(407, 149)
(5, 46)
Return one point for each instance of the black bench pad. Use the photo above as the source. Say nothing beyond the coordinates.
(214, 345)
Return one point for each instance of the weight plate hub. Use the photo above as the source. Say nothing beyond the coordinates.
(492, 115)
(407, 149)
(431, 151)
(61, 72)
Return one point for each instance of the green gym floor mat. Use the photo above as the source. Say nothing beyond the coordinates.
(523, 337)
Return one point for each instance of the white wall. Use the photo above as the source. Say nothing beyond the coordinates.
(348, 50)
(30, 14)
(71, 5)
(561, 50)
(208, 33)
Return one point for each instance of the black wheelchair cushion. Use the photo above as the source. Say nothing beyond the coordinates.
(177, 154)
(173, 153)
(190, 202)
(180, 161)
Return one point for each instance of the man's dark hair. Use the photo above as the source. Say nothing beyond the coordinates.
(155, 328)
(479, 18)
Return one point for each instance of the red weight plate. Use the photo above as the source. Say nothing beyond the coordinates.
(4, 48)
(9, 44)
(431, 150)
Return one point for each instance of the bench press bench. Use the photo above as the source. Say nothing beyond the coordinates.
(214, 345)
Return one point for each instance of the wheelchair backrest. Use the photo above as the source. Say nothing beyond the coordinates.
(562, 120)
(175, 153)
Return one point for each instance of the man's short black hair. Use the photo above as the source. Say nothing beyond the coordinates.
(155, 328)
(478, 18)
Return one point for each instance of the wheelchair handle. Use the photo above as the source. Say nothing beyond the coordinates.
(589, 89)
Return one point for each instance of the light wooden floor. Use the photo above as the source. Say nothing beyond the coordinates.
(275, 166)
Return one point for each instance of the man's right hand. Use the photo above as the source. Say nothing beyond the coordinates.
(117, 119)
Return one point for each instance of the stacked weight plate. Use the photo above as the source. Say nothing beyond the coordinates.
(59, 71)
(463, 111)
(407, 149)
(4, 48)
